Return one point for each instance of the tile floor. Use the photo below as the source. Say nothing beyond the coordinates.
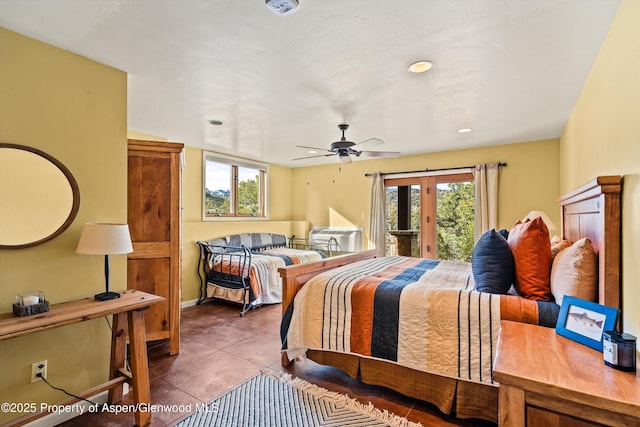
(220, 349)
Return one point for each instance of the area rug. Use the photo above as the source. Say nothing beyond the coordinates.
(276, 399)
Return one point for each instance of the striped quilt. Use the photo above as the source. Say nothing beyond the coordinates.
(264, 280)
(292, 256)
(419, 313)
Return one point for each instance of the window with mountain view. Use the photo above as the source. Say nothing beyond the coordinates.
(233, 187)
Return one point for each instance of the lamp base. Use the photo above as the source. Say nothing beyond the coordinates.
(105, 296)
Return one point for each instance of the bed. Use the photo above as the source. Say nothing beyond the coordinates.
(243, 268)
(467, 389)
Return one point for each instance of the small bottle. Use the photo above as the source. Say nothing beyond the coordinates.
(619, 350)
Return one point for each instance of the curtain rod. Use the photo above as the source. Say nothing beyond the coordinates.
(501, 164)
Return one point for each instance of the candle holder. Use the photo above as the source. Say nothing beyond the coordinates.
(29, 303)
(619, 350)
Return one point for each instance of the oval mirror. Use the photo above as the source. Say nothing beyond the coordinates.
(39, 197)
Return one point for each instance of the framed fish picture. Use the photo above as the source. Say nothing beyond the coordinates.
(585, 321)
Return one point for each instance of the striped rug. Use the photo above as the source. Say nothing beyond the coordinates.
(275, 399)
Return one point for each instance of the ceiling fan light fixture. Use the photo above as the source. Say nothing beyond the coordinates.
(282, 7)
(419, 67)
(345, 159)
(345, 150)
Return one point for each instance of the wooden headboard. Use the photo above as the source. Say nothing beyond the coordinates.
(593, 211)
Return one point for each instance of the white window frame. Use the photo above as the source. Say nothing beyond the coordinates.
(238, 162)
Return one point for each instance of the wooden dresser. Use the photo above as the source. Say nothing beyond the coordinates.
(154, 217)
(549, 380)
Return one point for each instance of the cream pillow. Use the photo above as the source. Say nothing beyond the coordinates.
(558, 246)
(574, 272)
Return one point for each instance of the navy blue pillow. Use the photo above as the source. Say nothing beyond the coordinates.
(504, 233)
(492, 263)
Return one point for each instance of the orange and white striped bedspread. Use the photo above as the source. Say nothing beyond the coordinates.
(419, 313)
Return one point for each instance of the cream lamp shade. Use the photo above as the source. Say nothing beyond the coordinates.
(105, 239)
(545, 218)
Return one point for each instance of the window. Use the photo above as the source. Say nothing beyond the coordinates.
(431, 216)
(233, 188)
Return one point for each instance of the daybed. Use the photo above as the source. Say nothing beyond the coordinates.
(453, 322)
(243, 268)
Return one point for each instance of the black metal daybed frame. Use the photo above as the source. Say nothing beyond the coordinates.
(226, 261)
(211, 268)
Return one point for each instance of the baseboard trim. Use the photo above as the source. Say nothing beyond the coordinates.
(58, 418)
(189, 303)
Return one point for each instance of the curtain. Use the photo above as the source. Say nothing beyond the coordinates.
(377, 228)
(486, 183)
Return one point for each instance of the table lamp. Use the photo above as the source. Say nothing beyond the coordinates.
(105, 239)
(545, 218)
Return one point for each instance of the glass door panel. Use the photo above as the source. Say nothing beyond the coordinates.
(455, 210)
(403, 215)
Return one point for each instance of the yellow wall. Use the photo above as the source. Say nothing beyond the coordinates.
(339, 195)
(602, 138)
(145, 136)
(74, 109)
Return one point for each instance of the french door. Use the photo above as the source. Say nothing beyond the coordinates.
(430, 216)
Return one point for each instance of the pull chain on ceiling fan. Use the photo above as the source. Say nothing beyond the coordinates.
(345, 149)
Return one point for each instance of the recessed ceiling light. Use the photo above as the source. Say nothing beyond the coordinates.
(312, 151)
(215, 122)
(464, 130)
(420, 67)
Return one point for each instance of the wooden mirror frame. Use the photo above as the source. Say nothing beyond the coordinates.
(75, 190)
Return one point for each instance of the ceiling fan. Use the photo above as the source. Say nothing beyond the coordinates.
(345, 149)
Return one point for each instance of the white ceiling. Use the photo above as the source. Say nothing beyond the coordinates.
(510, 69)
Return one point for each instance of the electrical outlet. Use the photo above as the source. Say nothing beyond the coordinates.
(38, 368)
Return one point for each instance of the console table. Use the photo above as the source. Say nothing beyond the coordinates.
(128, 315)
(549, 380)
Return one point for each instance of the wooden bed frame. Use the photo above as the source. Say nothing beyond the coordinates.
(592, 210)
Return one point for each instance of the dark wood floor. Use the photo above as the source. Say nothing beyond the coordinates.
(220, 350)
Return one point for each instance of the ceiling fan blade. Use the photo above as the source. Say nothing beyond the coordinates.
(312, 148)
(371, 142)
(319, 155)
(381, 153)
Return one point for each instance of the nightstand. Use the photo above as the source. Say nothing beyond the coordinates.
(549, 380)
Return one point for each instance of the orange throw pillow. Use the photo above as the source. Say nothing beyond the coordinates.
(531, 249)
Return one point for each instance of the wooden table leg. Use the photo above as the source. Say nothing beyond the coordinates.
(139, 365)
(511, 406)
(118, 353)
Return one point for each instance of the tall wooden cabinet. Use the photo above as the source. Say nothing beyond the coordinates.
(154, 217)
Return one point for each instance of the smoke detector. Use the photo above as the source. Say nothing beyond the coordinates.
(282, 7)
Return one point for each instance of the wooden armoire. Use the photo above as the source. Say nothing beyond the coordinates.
(154, 217)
